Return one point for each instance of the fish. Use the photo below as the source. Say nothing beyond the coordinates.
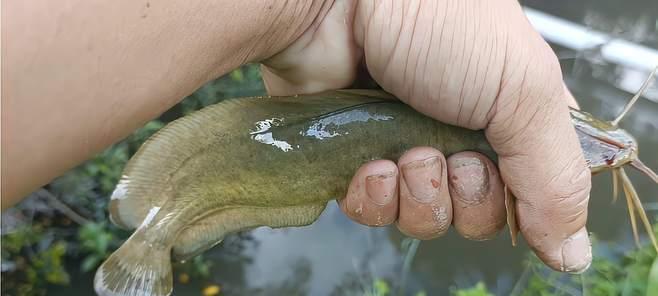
(277, 161)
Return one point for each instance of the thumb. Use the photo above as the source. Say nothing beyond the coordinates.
(324, 57)
(541, 161)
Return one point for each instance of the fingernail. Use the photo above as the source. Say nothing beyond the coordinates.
(576, 252)
(382, 187)
(423, 178)
(469, 179)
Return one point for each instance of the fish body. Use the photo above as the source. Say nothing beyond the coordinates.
(273, 161)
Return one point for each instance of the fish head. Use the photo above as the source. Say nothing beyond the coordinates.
(604, 145)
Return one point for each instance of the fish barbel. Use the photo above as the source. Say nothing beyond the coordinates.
(277, 162)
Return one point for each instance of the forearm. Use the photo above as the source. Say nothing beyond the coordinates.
(78, 76)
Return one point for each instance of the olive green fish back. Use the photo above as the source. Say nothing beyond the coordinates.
(146, 180)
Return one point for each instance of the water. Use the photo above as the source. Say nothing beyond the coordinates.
(337, 256)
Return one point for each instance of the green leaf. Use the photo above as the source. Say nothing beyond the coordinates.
(89, 263)
(237, 75)
(478, 290)
(381, 287)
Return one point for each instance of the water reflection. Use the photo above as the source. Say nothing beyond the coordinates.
(328, 127)
(263, 134)
(334, 246)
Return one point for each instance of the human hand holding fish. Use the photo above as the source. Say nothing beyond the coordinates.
(471, 64)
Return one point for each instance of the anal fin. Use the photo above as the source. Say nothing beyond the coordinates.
(208, 231)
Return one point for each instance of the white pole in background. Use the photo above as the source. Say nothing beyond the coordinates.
(636, 60)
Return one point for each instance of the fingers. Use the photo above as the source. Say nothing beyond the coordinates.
(425, 205)
(372, 197)
(465, 189)
(478, 201)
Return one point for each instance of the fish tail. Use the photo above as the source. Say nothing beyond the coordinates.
(137, 268)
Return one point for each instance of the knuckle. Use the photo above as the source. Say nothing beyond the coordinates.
(573, 180)
(529, 97)
(569, 195)
(420, 153)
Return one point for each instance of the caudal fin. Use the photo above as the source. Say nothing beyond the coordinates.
(137, 268)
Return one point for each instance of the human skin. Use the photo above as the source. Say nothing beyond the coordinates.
(79, 76)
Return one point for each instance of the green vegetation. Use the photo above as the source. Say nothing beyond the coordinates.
(95, 240)
(626, 276)
(478, 290)
(636, 273)
(39, 264)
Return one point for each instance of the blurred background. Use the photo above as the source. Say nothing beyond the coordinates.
(53, 241)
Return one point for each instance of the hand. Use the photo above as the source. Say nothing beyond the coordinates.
(474, 64)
